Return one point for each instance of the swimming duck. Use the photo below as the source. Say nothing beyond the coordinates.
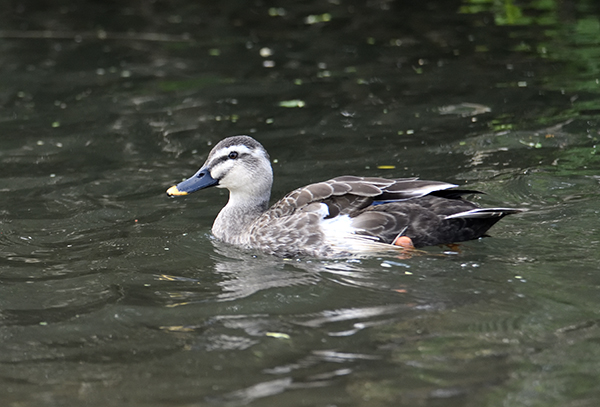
(343, 216)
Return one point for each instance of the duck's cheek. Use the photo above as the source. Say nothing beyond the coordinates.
(237, 179)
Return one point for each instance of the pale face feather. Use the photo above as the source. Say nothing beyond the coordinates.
(248, 175)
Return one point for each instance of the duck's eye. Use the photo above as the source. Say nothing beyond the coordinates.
(233, 155)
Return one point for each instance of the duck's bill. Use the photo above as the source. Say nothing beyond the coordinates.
(202, 179)
(173, 191)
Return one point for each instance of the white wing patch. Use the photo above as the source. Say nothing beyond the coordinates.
(337, 228)
(341, 235)
(483, 213)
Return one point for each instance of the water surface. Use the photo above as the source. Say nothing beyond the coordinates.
(112, 294)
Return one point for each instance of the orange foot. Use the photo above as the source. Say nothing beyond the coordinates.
(404, 241)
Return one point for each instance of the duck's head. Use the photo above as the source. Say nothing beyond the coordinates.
(239, 163)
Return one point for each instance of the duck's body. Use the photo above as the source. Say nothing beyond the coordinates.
(339, 217)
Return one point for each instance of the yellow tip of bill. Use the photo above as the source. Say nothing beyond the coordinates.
(173, 191)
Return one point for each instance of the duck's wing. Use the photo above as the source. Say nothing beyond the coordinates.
(348, 195)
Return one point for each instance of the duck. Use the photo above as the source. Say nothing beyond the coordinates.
(343, 216)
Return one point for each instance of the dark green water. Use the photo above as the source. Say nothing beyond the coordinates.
(112, 294)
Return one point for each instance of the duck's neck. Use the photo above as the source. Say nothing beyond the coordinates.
(233, 222)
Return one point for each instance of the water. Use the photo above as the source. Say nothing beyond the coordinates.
(112, 294)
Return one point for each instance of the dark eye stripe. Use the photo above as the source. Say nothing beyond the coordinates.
(227, 157)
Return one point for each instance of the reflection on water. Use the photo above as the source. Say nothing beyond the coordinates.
(111, 294)
(243, 276)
